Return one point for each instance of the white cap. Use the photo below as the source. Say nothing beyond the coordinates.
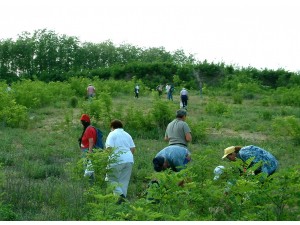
(218, 171)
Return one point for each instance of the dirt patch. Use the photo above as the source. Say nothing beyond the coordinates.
(243, 134)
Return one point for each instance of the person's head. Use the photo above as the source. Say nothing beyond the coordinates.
(159, 163)
(231, 152)
(85, 120)
(115, 124)
(181, 114)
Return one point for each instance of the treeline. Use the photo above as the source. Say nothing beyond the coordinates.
(47, 56)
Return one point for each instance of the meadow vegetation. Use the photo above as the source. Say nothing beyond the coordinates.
(41, 175)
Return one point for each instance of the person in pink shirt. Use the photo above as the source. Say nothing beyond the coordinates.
(91, 91)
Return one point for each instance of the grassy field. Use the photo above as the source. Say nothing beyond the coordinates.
(39, 182)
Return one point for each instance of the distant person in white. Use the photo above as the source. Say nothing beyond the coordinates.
(184, 97)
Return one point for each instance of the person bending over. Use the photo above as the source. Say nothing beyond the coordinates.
(269, 162)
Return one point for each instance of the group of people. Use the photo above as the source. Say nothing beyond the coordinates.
(175, 156)
(184, 95)
(123, 149)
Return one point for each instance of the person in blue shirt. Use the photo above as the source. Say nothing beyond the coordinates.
(269, 162)
(174, 157)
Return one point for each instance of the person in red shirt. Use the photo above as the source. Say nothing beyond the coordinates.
(86, 143)
(89, 135)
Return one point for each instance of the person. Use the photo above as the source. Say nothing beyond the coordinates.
(170, 92)
(91, 91)
(123, 149)
(184, 97)
(174, 157)
(269, 162)
(159, 88)
(87, 142)
(167, 89)
(136, 91)
(178, 131)
(8, 89)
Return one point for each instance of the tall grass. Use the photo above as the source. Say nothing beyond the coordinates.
(42, 177)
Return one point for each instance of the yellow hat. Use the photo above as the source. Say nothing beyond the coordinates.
(228, 151)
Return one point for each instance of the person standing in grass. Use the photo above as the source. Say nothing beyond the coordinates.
(123, 149)
(178, 131)
(269, 162)
(90, 91)
(136, 91)
(159, 89)
(184, 97)
(87, 141)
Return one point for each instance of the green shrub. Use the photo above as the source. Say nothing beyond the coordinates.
(266, 115)
(162, 113)
(237, 98)
(287, 126)
(216, 108)
(11, 113)
(73, 102)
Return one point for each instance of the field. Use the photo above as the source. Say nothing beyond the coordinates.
(41, 176)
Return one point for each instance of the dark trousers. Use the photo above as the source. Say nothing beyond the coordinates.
(184, 100)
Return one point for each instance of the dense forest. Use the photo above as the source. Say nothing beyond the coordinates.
(47, 56)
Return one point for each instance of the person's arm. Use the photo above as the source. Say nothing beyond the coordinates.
(132, 150)
(166, 138)
(188, 137)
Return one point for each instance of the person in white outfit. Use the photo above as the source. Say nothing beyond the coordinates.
(184, 97)
(120, 170)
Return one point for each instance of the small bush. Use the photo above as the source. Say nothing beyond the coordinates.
(287, 126)
(74, 102)
(237, 99)
(266, 115)
(216, 108)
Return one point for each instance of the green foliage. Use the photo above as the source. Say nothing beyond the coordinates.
(199, 131)
(44, 173)
(74, 102)
(12, 114)
(288, 126)
(287, 96)
(216, 107)
(162, 113)
(266, 115)
(237, 98)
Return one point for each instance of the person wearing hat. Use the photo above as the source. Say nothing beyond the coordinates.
(178, 131)
(174, 157)
(269, 162)
(184, 97)
(88, 136)
(86, 144)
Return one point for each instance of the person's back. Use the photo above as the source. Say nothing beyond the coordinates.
(91, 91)
(175, 155)
(184, 97)
(178, 132)
(270, 163)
